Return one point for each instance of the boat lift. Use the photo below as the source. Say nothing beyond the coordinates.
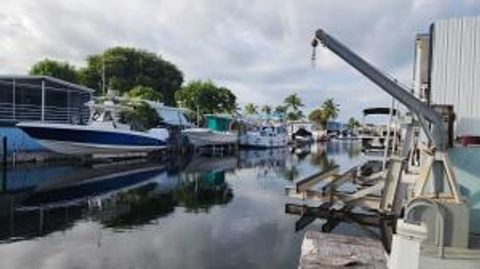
(425, 115)
(390, 200)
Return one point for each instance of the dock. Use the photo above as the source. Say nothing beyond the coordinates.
(321, 250)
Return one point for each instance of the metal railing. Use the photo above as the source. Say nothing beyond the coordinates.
(54, 114)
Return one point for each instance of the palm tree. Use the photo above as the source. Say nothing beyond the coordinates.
(293, 101)
(353, 123)
(318, 117)
(280, 109)
(330, 109)
(266, 109)
(294, 115)
(250, 109)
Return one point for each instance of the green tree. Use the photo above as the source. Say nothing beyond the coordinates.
(141, 117)
(353, 123)
(250, 109)
(146, 93)
(56, 69)
(330, 109)
(318, 117)
(206, 98)
(281, 110)
(294, 115)
(292, 104)
(266, 109)
(293, 101)
(126, 68)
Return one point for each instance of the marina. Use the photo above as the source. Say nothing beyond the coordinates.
(136, 156)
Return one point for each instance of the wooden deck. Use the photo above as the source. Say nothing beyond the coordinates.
(321, 251)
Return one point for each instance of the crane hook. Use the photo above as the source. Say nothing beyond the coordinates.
(314, 51)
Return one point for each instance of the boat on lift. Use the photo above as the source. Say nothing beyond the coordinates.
(217, 132)
(104, 134)
(373, 136)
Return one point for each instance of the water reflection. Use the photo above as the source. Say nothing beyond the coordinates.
(38, 201)
(202, 212)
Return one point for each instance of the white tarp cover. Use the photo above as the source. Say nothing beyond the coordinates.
(455, 70)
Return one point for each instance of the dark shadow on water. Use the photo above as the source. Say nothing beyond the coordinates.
(116, 195)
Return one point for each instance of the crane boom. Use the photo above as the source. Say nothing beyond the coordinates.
(402, 94)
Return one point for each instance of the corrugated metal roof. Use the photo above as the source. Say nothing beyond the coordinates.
(455, 70)
(48, 78)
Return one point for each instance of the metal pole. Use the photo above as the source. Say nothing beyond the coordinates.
(198, 117)
(387, 139)
(397, 125)
(103, 73)
(43, 100)
(4, 151)
(14, 99)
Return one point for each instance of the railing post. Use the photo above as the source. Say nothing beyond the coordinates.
(43, 100)
(4, 151)
(14, 99)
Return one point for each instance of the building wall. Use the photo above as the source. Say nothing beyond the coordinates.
(455, 70)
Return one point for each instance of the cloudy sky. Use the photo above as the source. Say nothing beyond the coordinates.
(259, 49)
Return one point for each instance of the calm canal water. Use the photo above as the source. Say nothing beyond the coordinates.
(208, 212)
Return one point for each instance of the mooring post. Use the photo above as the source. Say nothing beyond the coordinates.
(4, 151)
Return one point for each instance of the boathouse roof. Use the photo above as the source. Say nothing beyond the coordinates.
(47, 78)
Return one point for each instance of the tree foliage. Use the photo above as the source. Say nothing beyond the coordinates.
(250, 109)
(206, 97)
(292, 104)
(327, 111)
(141, 117)
(266, 109)
(353, 123)
(294, 115)
(281, 110)
(318, 117)
(146, 93)
(330, 108)
(293, 101)
(56, 69)
(126, 68)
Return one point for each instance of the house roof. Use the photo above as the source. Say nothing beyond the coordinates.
(48, 78)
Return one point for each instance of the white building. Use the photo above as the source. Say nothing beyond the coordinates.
(447, 70)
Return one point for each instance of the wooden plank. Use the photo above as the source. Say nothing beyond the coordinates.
(340, 215)
(306, 217)
(339, 199)
(307, 182)
(321, 250)
(340, 179)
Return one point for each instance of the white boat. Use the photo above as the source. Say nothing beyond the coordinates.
(265, 137)
(374, 136)
(201, 137)
(104, 134)
(217, 132)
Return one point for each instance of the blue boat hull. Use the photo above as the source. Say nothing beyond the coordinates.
(81, 140)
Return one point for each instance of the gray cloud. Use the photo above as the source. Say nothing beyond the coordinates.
(260, 49)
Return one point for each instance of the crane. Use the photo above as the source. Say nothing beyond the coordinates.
(439, 161)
